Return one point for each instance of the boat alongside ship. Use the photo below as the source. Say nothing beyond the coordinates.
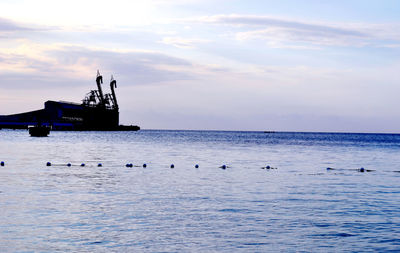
(39, 131)
(97, 112)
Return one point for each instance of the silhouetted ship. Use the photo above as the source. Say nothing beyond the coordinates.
(97, 112)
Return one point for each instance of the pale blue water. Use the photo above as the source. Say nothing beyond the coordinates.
(300, 206)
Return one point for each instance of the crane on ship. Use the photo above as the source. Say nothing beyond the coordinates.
(96, 98)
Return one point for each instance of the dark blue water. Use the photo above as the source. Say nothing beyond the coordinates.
(300, 206)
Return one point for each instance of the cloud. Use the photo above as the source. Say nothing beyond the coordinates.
(182, 42)
(278, 36)
(280, 31)
(10, 29)
(144, 67)
(50, 66)
(275, 22)
(10, 26)
(391, 46)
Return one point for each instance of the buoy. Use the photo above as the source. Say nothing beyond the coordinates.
(68, 164)
(1, 163)
(129, 165)
(48, 164)
(144, 165)
(172, 166)
(196, 166)
(82, 165)
(267, 167)
(362, 169)
(99, 165)
(223, 167)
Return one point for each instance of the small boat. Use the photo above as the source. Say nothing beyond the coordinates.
(128, 128)
(39, 131)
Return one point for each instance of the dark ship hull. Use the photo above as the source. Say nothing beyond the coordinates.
(96, 113)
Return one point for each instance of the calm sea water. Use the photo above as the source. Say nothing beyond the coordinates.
(301, 206)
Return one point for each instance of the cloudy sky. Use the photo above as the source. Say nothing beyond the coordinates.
(287, 65)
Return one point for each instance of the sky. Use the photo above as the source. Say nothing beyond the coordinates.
(288, 65)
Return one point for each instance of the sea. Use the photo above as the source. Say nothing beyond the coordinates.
(251, 192)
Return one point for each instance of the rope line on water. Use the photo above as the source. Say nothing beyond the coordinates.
(172, 166)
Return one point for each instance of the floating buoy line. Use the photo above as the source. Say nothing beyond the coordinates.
(172, 166)
(128, 165)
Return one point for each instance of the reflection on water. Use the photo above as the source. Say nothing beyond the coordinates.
(301, 206)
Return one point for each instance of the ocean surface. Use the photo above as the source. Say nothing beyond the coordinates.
(298, 207)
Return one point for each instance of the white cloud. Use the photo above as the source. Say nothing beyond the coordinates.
(11, 30)
(280, 31)
(49, 65)
(183, 42)
(8, 25)
(391, 45)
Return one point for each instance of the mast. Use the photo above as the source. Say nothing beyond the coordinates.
(99, 81)
(113, 84)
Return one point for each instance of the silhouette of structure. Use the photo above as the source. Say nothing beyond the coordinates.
(98, 111)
